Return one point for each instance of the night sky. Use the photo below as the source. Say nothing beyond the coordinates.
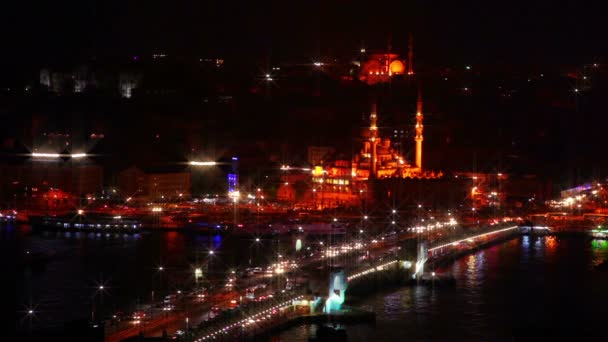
(446, 32)
(526, 37)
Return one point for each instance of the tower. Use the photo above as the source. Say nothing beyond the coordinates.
(373, 137)
(419, 128)
(410, 55)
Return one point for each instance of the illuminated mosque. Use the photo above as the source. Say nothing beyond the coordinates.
(346, 181)
(377, 159)
(380, 67)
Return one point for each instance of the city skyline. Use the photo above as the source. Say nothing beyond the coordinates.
(305, 170)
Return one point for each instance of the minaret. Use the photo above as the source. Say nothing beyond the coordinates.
(410, 55)
(419, 128)
(373, 137)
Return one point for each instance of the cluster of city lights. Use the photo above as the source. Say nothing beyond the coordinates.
(332, 252)
(260, 316)
(371, 270)
(505, 219)
(569, 201)
(231, 281)
(285, 167)
(419, 229)
(281, 267)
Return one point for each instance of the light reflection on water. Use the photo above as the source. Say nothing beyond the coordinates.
(546, 285)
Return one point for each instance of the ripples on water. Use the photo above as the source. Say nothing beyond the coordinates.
(527, 288)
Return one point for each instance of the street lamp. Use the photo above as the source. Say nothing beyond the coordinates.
(187, 321)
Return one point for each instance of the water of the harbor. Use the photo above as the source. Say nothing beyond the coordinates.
(505, 292)
(529, 288)
(58, 274)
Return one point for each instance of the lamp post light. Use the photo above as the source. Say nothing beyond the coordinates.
(30, 314)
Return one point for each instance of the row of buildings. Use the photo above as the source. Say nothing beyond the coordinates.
(37, 179)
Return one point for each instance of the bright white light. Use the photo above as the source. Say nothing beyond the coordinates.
(318, 64)
(80, 211)
(78, 155)
(203, 163)
(211, 252)
(235, 195)
(46, 155)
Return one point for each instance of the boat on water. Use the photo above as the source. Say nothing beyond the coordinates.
(89, 222)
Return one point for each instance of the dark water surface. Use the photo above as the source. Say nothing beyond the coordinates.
(63, 286)
(529, 288)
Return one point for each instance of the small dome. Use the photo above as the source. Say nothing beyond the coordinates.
(397, 67)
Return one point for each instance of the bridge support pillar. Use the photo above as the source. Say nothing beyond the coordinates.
(337, 291)
(421, 258)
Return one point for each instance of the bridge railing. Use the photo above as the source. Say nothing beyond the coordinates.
(230, 322)
(384, 265)
(463, 234)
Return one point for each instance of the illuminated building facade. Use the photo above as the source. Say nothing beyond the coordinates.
(155, 182)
